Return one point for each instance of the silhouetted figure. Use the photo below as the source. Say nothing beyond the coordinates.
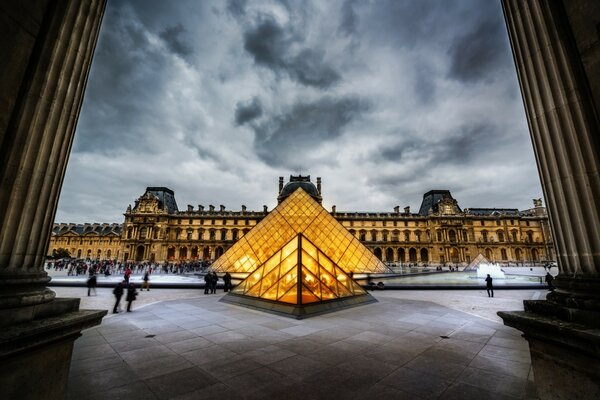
(489, 286)
(227, 282)
(213, 283)
(207, 282)
(146, 283)
(127, 274)
(549, 280)
(131, 296)
(118, 292)
(91, 284)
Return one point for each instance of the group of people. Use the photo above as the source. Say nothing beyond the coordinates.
(210, 282)
(119, 290)
(489, 285)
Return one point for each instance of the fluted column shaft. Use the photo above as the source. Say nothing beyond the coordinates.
(565, 130)
(40, 108)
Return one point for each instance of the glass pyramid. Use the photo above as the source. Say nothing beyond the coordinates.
(298, 214)
(298, 273)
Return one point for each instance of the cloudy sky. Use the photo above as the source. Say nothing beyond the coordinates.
(384, 100)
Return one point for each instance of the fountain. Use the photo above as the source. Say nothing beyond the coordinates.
(483, 269)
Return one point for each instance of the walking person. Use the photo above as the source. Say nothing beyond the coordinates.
(118, 292)
(131, 296)
(207, 282)
(91, 283)
(489, 286)
(127, 274)
(213, 283)
(146, 283)
(227, 282)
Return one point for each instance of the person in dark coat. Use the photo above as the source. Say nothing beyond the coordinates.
(213, 283)
(131, 296)
(91, 283)
(146, 283)
(489, 286)
(227, 282)
(118, 292)
(207, 282)
(549, 279)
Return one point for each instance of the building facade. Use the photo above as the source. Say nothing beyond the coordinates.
(439, 233)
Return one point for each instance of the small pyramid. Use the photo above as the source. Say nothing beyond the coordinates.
(299, 213)
(299, 280)
(480, 259)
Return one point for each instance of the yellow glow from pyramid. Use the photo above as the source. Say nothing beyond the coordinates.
(299, 214)
(298, 265)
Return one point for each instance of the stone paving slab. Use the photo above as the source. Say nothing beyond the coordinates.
(200, 348)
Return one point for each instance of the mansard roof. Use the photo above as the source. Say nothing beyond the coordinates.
(103, 229)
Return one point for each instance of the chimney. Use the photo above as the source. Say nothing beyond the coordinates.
(319, 184)
(397, 209)
(243, 208)
(265, 209)
(407, 210)
(211, 207)
(333, 209)
(280, 184)
(222, 208)
(200, 207)
(190, 208)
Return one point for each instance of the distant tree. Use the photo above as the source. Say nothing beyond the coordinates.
(61, 253)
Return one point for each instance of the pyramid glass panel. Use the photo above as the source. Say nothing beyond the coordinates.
(299, 214)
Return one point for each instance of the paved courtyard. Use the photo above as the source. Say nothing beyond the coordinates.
(195, 347)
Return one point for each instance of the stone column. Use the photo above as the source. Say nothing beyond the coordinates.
(556, 47)
(46, 49)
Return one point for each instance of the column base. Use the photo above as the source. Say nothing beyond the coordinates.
(565, 355)
(36, 355)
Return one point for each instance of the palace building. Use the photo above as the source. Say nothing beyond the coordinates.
(441, 232)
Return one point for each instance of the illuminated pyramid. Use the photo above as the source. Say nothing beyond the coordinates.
(297, 261)
(299, 281)
(299, 214)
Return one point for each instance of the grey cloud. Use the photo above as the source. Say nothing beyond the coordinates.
(480, 52)
(349, 19)
(270, 46)
(455, 148)
(171, 36)
(288, 139)
(237, 8)
(248, 111)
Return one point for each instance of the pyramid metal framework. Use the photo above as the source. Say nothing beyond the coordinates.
(297, 262)
(299, 273)
(299, 214)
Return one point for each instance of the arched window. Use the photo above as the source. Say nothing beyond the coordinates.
(519, 255)
(223, 234)
(401, 256)
(374, 237)
(424, 255)
(129, 232)
(439, 236)
(452, 236)
(412, 255)
(503, 254)
(183, 253)
(363, 236)
(377, 253)
(213, 234)
(488, 254)
(514, 235)
(385, 236)
(418, 236)
(534, 255)
(484, 236)
(143, 232)
(406, 236)
(500, 235)
(389, 254)
(234, 234)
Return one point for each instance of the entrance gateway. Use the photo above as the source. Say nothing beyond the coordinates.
(299, 262)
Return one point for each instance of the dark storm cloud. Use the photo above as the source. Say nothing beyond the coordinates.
(287, 140)
(248, 111)
(477, 54)
(460, 147)
(237, 8)
(349, 19)
(172, 37)
(271, 46)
